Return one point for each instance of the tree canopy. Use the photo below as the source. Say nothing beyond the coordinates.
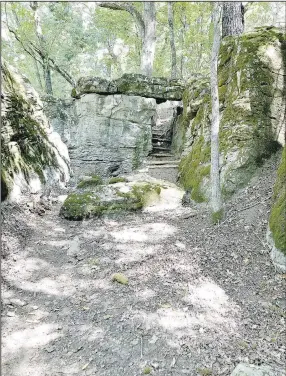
(55, 43)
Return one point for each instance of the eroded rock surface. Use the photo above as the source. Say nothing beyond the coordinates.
(33, 156)
(252, 104)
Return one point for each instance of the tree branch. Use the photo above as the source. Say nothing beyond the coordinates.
(128, 8)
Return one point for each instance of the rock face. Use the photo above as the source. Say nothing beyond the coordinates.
(33, 156)
(113, 134)
(276, 234)
(132, 84)
(251, 76)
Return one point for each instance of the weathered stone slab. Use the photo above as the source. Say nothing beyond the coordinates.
(132, 84)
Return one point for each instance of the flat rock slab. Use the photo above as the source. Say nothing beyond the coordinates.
(244, 369)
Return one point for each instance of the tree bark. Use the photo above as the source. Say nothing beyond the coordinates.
(216, 201)
(172, 39)
(232, 19)
(43, 47)
(149, 41)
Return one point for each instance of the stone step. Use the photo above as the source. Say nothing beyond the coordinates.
(157, 139)
(160, 148)
(162, 155)
(164, 166)
(158, 163)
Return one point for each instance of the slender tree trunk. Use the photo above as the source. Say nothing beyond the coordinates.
(216, 201)
(232, 19)
(48, 79)
(38, 74)
(172, 39)
(149, 39)
(43, 47)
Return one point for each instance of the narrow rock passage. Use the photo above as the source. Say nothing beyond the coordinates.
(200, 299)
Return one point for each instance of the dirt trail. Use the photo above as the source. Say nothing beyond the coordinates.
(199, 300)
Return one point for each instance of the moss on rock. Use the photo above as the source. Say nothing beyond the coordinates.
(117, 179)
(89, 182)
(93, 202)
(247, 87)
(277, 220)
(25, 144)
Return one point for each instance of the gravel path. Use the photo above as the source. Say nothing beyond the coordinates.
(200, 299)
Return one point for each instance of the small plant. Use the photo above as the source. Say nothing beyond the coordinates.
(147, 370)
(204, 371)
(117, 180)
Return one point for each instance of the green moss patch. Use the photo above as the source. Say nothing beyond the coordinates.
(92, 181)
(194, 168)
(117, 180)
(277, 220)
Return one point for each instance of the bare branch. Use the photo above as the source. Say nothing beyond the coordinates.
(128, 8)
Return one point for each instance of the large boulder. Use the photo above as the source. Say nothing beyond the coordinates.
(92, 199)
(132, 84)
(276, 234)
(33, 156)
(251, 75)
(113, 134)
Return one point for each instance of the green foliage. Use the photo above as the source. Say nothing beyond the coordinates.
(217, 216)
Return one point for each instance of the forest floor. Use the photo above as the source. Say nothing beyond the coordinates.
(200, 298)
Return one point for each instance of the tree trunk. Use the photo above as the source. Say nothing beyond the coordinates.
(48, 79)
(172, 40)
(38, 74)
(216, 201)
(232, 19)
(149, 38)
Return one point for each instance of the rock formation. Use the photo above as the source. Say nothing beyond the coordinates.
(161, 89)
(276, 234)
(251, 77)
(111, 126)
(33, 156)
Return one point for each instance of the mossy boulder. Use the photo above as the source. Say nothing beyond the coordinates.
(90, 181)
(131, 84)
(277, 220)
(252, 99)
(32, 155)
(94, 201)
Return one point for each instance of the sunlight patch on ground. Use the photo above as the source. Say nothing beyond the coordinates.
(133, 253)
(145, 294)
(151, 232)
(170, 198)
(41, 335)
